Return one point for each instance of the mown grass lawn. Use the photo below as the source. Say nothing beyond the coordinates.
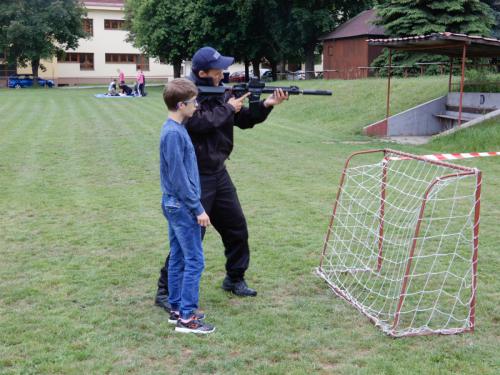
(82, 240)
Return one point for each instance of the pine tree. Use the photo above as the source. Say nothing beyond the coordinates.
(405, 17)
(495, 5)
(421, 17)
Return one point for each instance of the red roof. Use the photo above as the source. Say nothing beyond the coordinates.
(360, 25)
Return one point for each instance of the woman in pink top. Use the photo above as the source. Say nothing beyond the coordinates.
(121, 79)
(121, 76)
(140, 82)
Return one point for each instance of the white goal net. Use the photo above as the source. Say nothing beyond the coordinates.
(402, 242)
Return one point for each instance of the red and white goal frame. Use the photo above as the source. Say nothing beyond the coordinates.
(402, 242)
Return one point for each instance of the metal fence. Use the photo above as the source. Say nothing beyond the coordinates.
(405, 71)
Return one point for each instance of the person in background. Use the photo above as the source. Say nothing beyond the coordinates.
(140, 82)
(121, 79)
(112, 88)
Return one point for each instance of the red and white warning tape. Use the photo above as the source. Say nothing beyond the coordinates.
(464, 155)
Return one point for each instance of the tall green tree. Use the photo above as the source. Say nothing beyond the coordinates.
(161, 28)
(229, 27)
(31, 30)
(307, 21)
(495, 5)
(405, 17)
(251, 31)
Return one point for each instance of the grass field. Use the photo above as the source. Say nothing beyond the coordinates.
(82, 240)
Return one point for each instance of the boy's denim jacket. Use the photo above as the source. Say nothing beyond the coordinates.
(178, 167)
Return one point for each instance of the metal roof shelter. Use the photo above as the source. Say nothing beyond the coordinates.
(445, 43)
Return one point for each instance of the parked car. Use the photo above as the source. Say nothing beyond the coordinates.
(237, 77)
(266, 75)
(297, 75)
(26, 80)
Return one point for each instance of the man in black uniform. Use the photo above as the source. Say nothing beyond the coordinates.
(211, 130)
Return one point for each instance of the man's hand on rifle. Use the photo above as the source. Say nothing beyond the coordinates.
(237, 103)
(276, 98)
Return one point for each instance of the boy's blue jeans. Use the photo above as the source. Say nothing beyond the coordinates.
(186, 262)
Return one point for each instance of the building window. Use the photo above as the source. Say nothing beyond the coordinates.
(140, 61)
(330, 50)
(88, 26)
(86, 60)
(69, 57)
(114, 25)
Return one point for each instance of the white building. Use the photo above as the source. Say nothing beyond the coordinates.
(97, 59)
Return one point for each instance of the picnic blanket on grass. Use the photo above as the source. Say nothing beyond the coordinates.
(117, 96)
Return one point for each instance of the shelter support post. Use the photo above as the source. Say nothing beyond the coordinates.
(451, 74)
(464, 54)
(389, 72)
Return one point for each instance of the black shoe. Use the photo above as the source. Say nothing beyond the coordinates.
(174, 316)
(194, 326)
(161, 300)
(240, 288)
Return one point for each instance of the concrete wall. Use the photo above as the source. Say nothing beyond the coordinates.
(476, 100)
(421, 120)
(418, 120)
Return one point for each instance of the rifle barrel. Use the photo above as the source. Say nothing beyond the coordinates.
(295, 91)
(291, 90)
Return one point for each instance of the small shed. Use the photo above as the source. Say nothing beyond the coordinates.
(445, 114)
(346, 53)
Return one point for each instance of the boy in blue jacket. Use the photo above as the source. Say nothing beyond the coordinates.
(180, 185)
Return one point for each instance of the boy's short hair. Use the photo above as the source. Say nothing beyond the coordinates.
(179, 90)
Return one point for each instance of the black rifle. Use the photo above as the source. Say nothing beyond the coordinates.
(256, 88)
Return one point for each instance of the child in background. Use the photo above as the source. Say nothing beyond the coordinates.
(112, 88)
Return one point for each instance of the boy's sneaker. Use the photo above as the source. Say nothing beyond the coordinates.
(174, 316)
(194, 326)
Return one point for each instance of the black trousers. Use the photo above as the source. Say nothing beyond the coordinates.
(221, 203)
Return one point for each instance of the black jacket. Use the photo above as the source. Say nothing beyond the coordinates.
(211, 127)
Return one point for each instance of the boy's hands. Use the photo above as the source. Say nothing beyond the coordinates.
(276, 98)
(203, 219)
(237, 103)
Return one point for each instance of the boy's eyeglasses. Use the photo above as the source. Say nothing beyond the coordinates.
(194, 101)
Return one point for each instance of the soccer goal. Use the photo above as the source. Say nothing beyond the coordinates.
(401, 246)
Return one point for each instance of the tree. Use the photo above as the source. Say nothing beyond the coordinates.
(405, 18)
(31, 30)
(495, 5)
(226, 26)
(251, 31)
(309, 20)
(161, 28)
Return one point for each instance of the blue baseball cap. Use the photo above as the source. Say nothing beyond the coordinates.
(208, 58)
